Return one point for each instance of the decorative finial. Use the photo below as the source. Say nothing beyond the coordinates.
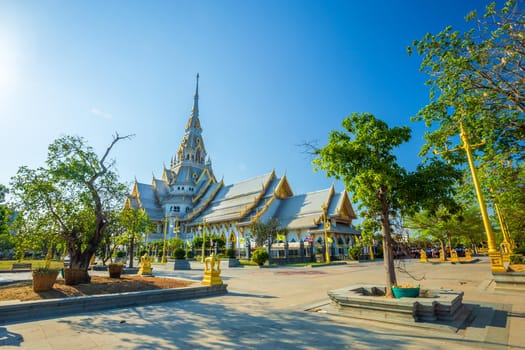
(197, 87)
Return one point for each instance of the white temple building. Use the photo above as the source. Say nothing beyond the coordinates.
(188, 198)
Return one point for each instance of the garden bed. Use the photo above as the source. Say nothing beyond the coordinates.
(23, 291)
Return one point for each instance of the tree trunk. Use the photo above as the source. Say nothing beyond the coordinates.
(388, 261)
(77, 272)
(444, 257)
(132, 243)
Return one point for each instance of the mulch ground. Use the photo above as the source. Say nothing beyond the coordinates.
(23, 291)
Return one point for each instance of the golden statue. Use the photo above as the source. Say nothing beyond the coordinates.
(454, 255)
(423, 256)
(468, 256)
(145, 266)
(212, 275)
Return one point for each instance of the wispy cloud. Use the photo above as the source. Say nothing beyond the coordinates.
(100, 113)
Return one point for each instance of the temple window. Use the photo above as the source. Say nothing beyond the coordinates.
(176, 209)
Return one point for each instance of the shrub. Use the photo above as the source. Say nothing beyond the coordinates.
(121, 254)
(519, 250)
(179, 253)
(45, 271)
(189, 254)
(260, 256)
(230, 253)
(354, 252)
(516, 259)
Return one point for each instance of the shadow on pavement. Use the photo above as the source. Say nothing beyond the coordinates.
(9, 338)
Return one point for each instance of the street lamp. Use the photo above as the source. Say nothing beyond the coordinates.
(176, 229)
(203, 238)
(326, 226)
(164, 259)
(495, 257)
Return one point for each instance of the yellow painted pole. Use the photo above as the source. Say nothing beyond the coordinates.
(203, 239)
(325, 225)
(494, 256)
(177, 228)
(506, 235)
(164, 259)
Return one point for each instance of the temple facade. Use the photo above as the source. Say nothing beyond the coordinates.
(188, 200)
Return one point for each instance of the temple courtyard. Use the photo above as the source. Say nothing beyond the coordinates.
(286, 308)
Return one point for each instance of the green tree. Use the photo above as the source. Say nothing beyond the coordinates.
(362, 156)
(136, 222)
(264, 232)
(75, 191)
(6, 241)
(112, 237)
(477, 79)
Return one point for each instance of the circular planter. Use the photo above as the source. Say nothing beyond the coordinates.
(44, 281)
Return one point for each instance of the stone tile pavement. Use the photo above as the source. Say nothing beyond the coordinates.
(264, 309)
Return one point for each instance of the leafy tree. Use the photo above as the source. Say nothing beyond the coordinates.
(217, 240)
(112, 237)
(175, 243)
(35, 233)
(264, 232)
(362, 156)
(6, 242)
(74, 192)
(477, 79)
(136, 222)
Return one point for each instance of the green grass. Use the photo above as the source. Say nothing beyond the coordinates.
(8, 264)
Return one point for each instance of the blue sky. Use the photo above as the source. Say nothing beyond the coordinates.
(274, 74)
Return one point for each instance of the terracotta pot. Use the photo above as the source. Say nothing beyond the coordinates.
(76, 276)
(44, 281)
(115, 270)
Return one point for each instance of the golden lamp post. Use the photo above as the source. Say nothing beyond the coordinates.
(176, 229)
(203, 239)
(496, 261)
(164, 259)
(326, 226)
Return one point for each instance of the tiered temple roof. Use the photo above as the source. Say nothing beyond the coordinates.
(189, 192)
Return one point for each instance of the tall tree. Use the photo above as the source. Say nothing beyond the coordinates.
(477, 79)
(266, 232)
(362, 156)
(4, 214)
(75, 191)
(6, 242)
(136, 222)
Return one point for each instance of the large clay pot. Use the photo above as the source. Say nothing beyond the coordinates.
(115, 270)
(76, 276)
(43, 281)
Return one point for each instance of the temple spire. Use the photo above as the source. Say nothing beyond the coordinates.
(195, 108)
(194, 118)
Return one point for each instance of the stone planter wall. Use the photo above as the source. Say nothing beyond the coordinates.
(181, 264)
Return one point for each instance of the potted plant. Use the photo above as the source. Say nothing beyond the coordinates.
(115, 270)
(180, 262)
(405, 291)
(260, 256)
(232, 260)
(44, 278)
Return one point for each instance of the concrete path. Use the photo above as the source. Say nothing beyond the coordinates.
(264, 309)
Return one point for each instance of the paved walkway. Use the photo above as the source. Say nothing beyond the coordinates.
(264, 309)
